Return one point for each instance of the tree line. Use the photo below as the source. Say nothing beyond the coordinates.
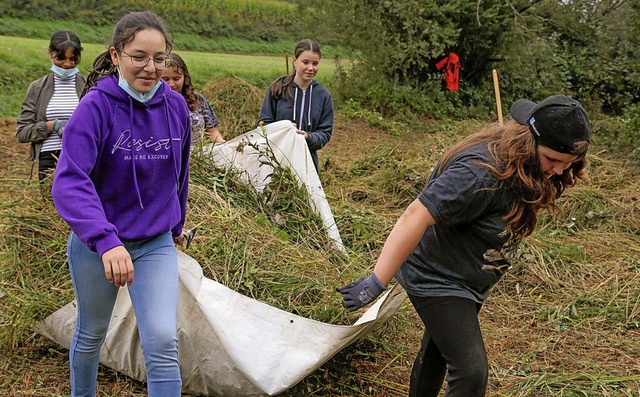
(583, 48)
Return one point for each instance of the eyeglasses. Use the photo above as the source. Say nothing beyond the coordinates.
(140, 61)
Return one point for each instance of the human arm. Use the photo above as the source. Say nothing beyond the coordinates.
(211, 121)
(215, 135)
(58, 126)
(183, 182)
(31, 122)
(180, 240)
(268, 110)
(403, 238)
(73, 191)
(118, 266)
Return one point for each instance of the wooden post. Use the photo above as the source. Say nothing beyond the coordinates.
(286, 61)
(496, 88)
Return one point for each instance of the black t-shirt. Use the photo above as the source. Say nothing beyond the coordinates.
(467, 251)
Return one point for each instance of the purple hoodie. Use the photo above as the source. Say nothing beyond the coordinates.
(124, 169)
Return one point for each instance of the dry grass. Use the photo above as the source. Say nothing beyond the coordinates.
(271, 247)
(235, 102)
(565, 321)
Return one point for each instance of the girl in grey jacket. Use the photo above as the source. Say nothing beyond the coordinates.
(50, 101)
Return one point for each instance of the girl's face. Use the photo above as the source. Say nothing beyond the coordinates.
(148, 45)
(69, 60)
(552, 162)
(174, 77)
(306, 65)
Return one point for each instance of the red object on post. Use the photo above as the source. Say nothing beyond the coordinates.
(451, 65)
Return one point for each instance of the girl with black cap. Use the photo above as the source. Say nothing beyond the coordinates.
(456, 240)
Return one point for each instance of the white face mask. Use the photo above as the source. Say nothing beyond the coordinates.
(138, 96)
(63, 73)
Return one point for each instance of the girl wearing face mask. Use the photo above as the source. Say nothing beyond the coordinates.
(50, 101)
(302, 100)
(121, 185)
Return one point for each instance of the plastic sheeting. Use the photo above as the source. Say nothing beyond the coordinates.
(289, 149)
(230, 344)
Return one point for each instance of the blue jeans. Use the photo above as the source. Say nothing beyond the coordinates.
(154, 295)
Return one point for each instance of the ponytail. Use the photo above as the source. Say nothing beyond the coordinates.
(281, 87)
(102, 66)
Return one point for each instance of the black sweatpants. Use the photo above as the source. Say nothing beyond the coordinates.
(47, 163)
(452, 345)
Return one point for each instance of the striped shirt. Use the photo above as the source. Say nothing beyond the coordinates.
(62, 104)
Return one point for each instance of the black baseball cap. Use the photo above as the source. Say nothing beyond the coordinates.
(556, 122)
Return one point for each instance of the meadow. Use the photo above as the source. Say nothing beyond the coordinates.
(564, 321)
(26, 59)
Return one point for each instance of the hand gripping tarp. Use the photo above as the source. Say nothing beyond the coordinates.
(232, 345)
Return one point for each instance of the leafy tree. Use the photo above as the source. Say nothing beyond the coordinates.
(397, 44)
(403, 39)
(583, 48)
(594, 46)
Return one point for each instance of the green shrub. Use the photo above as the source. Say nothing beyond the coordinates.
(620, 135)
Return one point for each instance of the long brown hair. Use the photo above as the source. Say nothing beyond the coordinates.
(179, 66)
(281, 87)
(517, 168)
(124, 32)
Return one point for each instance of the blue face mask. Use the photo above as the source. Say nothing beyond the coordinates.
(64, 73)
(122, 83)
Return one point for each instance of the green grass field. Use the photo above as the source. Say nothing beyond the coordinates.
(25, 60)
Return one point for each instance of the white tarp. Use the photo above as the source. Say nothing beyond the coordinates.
(232, 345)
(290, 149)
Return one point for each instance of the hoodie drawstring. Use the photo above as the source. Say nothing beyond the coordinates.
(309, 109)
(133, 155)
(176, 168)
(299, 122)
(295, 103)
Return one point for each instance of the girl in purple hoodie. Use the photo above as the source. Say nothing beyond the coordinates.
(121, 185)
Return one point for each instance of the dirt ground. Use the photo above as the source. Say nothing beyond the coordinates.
(13, 155)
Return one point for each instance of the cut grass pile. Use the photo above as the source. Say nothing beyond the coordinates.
(564, 321)
(269, 246)
(236, 103)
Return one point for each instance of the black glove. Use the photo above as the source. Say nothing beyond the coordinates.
(361, 292)
(58, 127)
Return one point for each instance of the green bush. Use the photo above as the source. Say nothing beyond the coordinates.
(620, 135)
(361, 87)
